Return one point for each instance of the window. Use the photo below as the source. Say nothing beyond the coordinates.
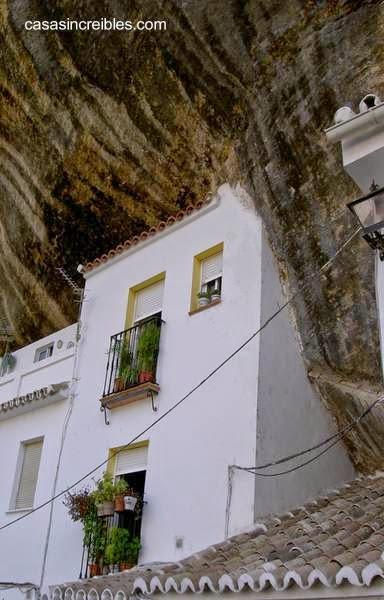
(27, 476)
(207, 278)
(145, 299)
(148, 301)
(211, 273)
(44, 352)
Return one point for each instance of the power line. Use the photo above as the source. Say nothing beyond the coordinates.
(337, 437)
(307, 281)
(339, 433)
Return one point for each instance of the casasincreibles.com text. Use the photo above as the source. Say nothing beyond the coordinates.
(103, 24)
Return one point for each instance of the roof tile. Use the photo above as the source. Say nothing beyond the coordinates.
(336, 540)
(144, 235)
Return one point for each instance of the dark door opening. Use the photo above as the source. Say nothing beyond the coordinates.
(129, 519)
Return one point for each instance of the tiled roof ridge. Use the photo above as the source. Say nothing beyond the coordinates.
(147, 233)
(337, 538)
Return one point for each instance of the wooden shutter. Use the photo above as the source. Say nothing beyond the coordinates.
(211, 267)
(149, 301)
(130, 461)
(28, 475)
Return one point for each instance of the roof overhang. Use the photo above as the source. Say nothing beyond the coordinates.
(33, 400)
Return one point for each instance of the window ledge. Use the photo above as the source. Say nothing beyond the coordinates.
(201, 308)
(12, 511)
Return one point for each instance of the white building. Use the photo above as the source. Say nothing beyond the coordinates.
(34, 401)
(258, 407)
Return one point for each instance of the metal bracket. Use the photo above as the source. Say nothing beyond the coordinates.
(104, 410)
(151, 396)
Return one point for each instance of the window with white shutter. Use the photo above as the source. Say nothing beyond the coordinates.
(26, 486)
(131, 460)
(149, 301)
(207, 278)
(212, 268)
(212, 274)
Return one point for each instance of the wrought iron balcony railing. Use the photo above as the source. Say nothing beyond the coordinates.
(132, 356)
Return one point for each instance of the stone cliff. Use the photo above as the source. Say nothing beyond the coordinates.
(104, 133)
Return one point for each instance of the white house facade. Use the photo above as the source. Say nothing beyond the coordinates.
(196, 287)
(34, 398)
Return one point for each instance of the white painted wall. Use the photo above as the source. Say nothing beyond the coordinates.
(21, 545)
(28, 375)
(190, 450)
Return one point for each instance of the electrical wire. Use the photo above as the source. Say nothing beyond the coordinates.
(339, 436)
(307, 280)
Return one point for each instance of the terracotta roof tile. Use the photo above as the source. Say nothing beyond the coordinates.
(144, 235)
(338, 540)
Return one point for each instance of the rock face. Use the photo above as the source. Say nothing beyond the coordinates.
(103, 133)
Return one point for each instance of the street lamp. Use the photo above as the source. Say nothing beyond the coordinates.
(369, 211)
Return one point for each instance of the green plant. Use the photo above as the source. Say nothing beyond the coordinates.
(133, 550)
(203, 295)
(148, 347)
(121, 487)
(94, 536)
(105, 489)
(118, 544)
(216, 292)
(127, 369)
(79, 504)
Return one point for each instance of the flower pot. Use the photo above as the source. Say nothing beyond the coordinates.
(105, 509)
(94, 570)
(145, 376)
(130, 502)
(119, 503)
(125, 566)
(118, 384)
(215, 297)
(203, 301)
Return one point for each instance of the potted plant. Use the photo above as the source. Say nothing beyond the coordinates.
(203, 298)
(121, 488)
(147, 351)
(131, 498)
(104, 496)
(81, 507)
(117, 549)
(133, 551)
(79, 504)
(215, 295)
(127, 371)
(94, 539)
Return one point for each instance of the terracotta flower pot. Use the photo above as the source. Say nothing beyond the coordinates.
(94, 570)
(119, 503)
(145, 376)
(118, 384)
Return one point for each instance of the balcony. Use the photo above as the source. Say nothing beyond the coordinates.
(132, 364)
